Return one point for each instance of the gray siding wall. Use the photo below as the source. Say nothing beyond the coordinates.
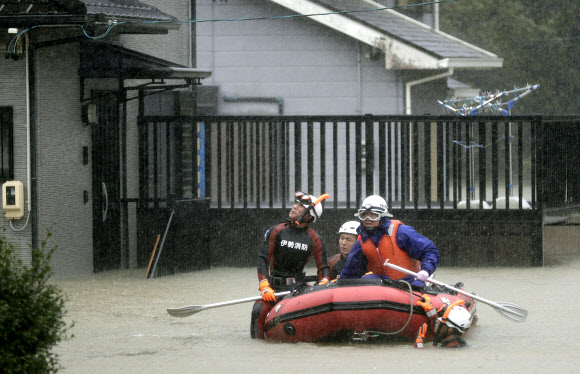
(314, 69)
(13, 93)
(62, 177)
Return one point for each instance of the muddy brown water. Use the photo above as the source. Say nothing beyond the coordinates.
(121, 326)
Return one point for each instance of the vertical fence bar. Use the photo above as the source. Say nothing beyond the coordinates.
(335, 162)
(397, 159)
(358, 161)
(520, 165)
(447, 162)
(208, 158)
(494, 163)
(244, 167)
(390, 161)
(143, 134)
(415, 161)
(441, 173)
(427, 147)
(258, 163)
(382, 166)
(252, 157)
(155, 165)
(297, 155)
(468, 171)
(348, 163)
(322, 157)
(272, 163)
(283, 131)
(369, 154)
(533, 151)
(507, 163)
(310, 155)
(239, 170)
(230, 157)
(405, 162)
(219, 167)
(168, 157)
(263, 158)
(456, 152)
(482, 164)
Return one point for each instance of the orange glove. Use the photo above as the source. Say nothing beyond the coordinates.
(425, 302)
(267, 291)
(323, 281)
(421, 336)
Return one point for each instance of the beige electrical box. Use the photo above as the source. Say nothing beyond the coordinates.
(13, 199)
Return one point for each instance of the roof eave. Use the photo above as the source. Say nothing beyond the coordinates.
(471, 63)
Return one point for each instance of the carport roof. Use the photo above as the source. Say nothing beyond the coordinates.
(104, 60)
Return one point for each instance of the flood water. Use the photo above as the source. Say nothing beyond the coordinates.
(121, 326)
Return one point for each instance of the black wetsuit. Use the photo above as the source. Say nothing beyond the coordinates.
(286, 250)
(284, 253)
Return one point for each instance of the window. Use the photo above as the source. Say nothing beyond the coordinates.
(6, 144)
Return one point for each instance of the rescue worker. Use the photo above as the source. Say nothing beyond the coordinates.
(347, 237)
(447, 324)
(285, 251)
(384, 239)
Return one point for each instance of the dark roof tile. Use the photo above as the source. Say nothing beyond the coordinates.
(423, 38)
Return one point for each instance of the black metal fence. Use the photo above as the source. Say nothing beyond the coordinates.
(414, 162)
(476, 186)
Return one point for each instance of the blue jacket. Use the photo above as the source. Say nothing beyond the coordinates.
(418, 247)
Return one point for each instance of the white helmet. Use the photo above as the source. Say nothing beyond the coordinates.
(374, 204)
(307, 201)
(459, 318)
(316, 210)
(349, 227)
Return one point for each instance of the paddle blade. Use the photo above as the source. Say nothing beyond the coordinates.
(185, 311)
(513, 312)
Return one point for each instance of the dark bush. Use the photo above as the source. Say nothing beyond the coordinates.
(31, 312)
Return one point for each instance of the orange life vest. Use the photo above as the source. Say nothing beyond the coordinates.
(388, 249)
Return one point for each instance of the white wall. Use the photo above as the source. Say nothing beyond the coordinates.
(314, 69)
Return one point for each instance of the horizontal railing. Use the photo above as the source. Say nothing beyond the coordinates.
(413, 162)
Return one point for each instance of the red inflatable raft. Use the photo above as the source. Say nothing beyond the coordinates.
(354, 307)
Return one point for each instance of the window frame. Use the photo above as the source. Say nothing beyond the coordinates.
(6, 143)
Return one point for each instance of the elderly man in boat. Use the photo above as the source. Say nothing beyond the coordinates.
(347, 237)
(382, 238)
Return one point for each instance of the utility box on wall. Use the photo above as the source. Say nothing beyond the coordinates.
(13, 199)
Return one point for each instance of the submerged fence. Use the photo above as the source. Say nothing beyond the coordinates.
(477, 186)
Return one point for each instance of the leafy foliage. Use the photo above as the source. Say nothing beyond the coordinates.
(31, 312)
(538, 41)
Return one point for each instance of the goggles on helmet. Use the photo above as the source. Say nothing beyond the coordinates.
(370, 212)
(303, 198)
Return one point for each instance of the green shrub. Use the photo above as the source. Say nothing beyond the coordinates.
(31, 312)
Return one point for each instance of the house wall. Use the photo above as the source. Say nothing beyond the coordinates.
(314, 70)
(61, 175)
(13, 93)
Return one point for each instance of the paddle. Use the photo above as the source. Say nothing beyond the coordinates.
(192, 309)
(508, 310)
